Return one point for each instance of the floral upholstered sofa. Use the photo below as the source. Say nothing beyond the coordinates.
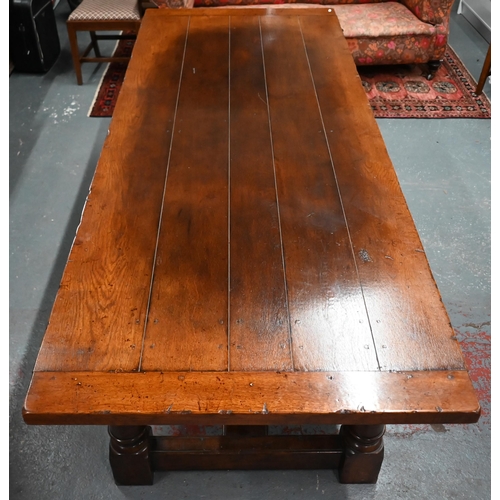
(377, 31)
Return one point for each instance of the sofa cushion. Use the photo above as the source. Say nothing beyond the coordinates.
(380, 20)
(430, 11)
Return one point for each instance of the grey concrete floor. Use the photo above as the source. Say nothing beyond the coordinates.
(444, 170)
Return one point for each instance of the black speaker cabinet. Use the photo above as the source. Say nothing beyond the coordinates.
(34, 41)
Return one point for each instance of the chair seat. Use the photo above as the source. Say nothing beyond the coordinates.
(386, 19)
(106, 10)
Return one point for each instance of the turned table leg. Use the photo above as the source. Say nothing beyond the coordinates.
(363, 453)
(129, 455)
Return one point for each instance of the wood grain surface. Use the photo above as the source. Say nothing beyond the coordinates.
(100, 311)
(259, 325)
(246, 255)
(329, 322)
(409, 323)
(187, 328)
(258, 398)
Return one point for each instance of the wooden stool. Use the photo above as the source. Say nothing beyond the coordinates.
(101, 15)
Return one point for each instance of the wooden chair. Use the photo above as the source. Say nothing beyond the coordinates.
(102, 15)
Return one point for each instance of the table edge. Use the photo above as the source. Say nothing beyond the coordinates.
(242, 10)
(251, 398)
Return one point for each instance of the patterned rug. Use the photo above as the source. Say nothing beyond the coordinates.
(111, 83)
(404, 91)
(394, 91)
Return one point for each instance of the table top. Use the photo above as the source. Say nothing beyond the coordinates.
(246, 254)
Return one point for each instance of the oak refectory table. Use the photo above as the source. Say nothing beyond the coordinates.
(246, 258)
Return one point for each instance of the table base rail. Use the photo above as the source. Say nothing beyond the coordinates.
(357, 452)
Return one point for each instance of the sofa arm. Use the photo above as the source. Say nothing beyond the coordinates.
(430, 11)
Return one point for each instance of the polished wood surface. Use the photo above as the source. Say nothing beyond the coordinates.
(246, 255)
(251, 398)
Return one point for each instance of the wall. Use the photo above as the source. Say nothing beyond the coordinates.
(478, 13)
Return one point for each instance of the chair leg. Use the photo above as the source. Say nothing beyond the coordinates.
(73, 41)
(433, 68)
(485, 72)
(95, 45)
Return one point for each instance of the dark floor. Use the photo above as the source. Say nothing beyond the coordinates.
(444, 170)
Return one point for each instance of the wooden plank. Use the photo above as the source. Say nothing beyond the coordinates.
(330, 329)
(245, 430)
(187, 327)
(239, 444)
(254, 453)
(259, 323)
(98, 318)
(409, 322)
(259, 398)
